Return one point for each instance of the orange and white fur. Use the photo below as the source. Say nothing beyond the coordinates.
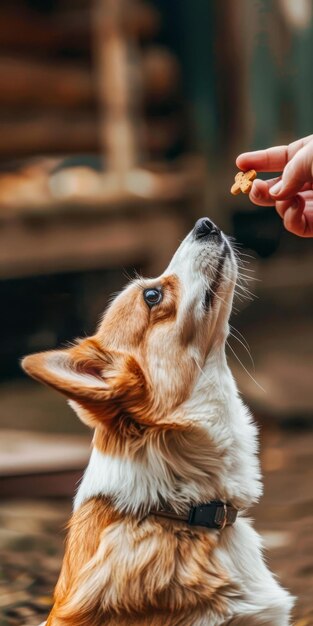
(169, 428)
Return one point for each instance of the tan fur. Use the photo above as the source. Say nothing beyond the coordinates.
(84, 529)
(119, 571)
(121, 329)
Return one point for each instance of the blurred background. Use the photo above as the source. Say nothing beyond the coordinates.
(120, 122)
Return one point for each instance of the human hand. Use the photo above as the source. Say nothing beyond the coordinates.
(292, 192)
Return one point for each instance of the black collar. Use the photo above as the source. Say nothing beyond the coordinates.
(214, 514)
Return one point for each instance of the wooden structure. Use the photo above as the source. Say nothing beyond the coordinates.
(57, 214)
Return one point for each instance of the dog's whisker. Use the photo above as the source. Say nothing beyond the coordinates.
(245, 292)
(237, 249)
(245, 277)
(243, 288)
(240, 278)
(216, 295)
(242, 297)
(137, 275)
(245, 369)
(240, 335)
(126, 274)
(245, 347)
(244, 262)
(243, 269)
(247, 295)
(201, 370)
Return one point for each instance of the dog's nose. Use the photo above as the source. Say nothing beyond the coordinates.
(205, 228)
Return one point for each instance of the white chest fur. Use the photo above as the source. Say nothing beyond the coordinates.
(212, 461)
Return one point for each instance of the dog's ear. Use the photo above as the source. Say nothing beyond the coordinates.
(98, 380)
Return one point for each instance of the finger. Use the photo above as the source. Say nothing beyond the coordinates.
(307, 197)
(298, 219)
(259, 193)
(296, 174)
(272, 159)
(308, 220)
(297, 214)
(281, 206)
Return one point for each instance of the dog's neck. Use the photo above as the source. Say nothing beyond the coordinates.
(213, 459)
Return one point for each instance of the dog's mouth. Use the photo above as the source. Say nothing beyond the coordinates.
(211, 292)
(205, 231)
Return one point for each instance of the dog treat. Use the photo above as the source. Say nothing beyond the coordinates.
(243, 182)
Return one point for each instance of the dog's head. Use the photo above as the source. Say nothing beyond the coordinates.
(153, 340)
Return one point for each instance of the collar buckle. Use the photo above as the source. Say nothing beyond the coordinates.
(216, 514)
(221, 515)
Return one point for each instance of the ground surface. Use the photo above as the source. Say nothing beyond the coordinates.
(32, 534)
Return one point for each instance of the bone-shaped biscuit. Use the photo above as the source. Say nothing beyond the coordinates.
(243, 182)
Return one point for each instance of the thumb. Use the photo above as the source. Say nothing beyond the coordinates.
(297, 172)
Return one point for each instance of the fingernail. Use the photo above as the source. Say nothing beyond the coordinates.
(274, 191)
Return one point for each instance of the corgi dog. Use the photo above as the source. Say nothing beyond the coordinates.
(158, 535)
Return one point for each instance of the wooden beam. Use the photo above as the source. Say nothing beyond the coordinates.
(55, 132)
(26, 30)
(29, 82)
(59, 243)
(119, 86)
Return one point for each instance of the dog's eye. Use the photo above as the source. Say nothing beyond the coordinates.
(152, 296)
